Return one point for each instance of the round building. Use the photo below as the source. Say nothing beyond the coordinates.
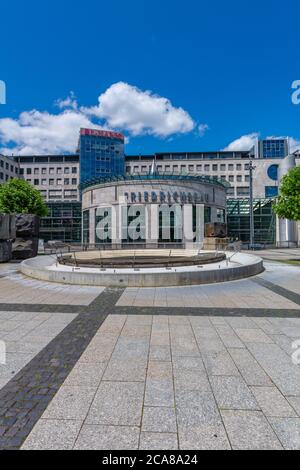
(152, 210)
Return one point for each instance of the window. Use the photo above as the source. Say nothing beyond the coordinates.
(36, 171)
(215, 167)
(51, 171)
(230, 192)
(74, 180)
(44, 182)
(59, 181)
(231, 178)
(247, 178)
(199, 167)
(271, 191)
(28, 171)
(239, 178)
(243, 191)
(206, 167)
(44, 171)
(36, 182)
(58, 171)
(74, 170)
(67, 181)
(51, 182)
(191, 168)
(230, 167)
(238, 167)
(223, 167)
(67, 171)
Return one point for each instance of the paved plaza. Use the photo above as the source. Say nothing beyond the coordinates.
(201, 367)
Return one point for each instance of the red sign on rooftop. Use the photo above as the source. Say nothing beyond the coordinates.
(99, 133)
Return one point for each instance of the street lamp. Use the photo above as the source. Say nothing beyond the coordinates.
(251, 169)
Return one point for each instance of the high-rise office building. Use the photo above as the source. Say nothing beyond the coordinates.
(273, 148)
(101, 154)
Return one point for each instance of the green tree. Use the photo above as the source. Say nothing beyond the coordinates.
(19, 197)
(288, 203)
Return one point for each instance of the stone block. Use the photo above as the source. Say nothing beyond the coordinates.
(7, 227)
(27, 226)
(25, 248)
(5, 251)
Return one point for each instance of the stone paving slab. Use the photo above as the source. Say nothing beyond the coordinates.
(250, 430)
(162, 376)
(288, 431)
(227, 398)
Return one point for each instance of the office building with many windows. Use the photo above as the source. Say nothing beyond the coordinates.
(101, 154)
(100, 157)
(9, 168)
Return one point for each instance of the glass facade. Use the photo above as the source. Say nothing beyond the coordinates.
(101, 155)
(273, 148)
(63, 222)
(238, 219)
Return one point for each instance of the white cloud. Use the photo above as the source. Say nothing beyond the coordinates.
(121, 107)
(245, 142)
(38, 132)
(139, 112)
(202, 128)
(69, 102)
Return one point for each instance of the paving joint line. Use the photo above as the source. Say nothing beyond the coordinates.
(279, 290)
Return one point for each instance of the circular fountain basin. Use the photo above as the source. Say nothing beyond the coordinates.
(128, 268)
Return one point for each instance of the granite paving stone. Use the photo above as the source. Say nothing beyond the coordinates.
(159, 385)
(279, 367)
(93, 437)
(70, 402)
(272, 403)
(158, 441)
(249, 430)
(86, 375)
(160, 353)
(295, 402)
(194, 379)
(117, 404)
(199, 421)
(219, 363)
(253, 335)
(252, 372)
(53, 435)
(232, 393)
(288, 431)
(133, 370)
(159, 419)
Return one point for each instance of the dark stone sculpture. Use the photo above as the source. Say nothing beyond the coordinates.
(26, 243)
(7, 234)
(215, 230)
(5, 251)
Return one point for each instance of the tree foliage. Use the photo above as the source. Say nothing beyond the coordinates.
(288, 203)
(19, 197)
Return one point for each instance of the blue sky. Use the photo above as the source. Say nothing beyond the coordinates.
(227, 66)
